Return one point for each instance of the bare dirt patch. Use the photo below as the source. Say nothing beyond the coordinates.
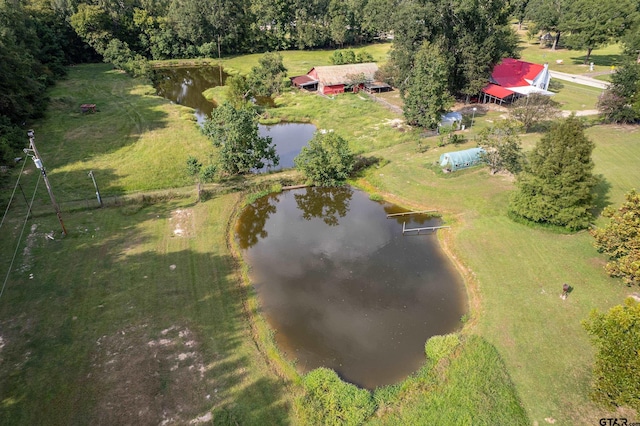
(144, 379)
(182, 224)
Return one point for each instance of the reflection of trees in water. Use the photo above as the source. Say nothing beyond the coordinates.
(168, 81)
(327, 204)
(250, 227)
(418, 219)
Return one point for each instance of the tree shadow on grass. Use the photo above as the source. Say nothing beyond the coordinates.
(601, 195)
(107, 330)
(602, 60)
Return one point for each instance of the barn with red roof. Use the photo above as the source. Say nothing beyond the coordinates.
(513, 78)
(333, 79)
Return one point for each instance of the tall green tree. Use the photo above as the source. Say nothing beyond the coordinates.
(620, 240)
(556, 186)
(425, 94)
(472, 35)
(548, 16)
(267, 78)
(593, 23)
(616, 337)
(502, 146)
(327, 160)
(235, 132)
(620, 102)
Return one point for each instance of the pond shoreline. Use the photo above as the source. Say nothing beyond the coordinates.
(264, 335)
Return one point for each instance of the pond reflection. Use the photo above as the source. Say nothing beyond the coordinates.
(343, 288)
(185, 85)
(329, 204)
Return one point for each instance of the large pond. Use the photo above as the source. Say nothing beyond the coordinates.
(184, 86)
(343, 288)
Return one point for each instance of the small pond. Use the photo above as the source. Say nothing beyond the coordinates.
(343, 288)
(184, 86)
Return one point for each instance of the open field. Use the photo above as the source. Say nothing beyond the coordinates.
(576, 97)
(141, 307)
(106, 320)
(572, 60)
(296, 61)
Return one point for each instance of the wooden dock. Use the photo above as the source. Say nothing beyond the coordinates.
(408, 213)
(426, 228)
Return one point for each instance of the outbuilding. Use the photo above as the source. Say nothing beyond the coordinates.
(333, 79)
(456, 160)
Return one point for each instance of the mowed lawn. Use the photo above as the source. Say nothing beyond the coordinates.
(519, 271)
(136, 317)
(135, 142)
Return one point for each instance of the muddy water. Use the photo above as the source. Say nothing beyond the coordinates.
(343, 288)
(184, 86)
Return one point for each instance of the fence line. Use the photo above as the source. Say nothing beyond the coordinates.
(390, 106)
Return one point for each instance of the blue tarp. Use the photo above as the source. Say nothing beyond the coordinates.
(456, 160)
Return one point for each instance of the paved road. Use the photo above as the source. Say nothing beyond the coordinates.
(580, 79)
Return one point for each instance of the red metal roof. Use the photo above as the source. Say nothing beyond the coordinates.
(497, 91)
(513, 73)
(303, 80)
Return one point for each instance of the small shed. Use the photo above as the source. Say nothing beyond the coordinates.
(456, 160)
(453, 119)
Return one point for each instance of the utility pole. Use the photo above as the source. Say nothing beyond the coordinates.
(38, 162)
(96, 186)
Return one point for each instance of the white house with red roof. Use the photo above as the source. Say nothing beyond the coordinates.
(513, 78)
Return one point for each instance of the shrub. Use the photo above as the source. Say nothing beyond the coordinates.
(330, 401)
(364, 56)
(349, 56)
(208, 174)
(193, 166)
(327, 160)
(439, 347)
(616, 373)
(336, 58)
(620, 239)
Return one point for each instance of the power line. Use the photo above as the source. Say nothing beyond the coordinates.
(13, 193)
(20, 238)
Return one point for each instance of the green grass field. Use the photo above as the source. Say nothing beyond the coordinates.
(577, 97)
(296, 61)
(144, 305)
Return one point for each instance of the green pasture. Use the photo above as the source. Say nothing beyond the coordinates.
(125, 314)
(136, 141)
(576, 97)
(572, 60)
(118, 312)
(296, 61)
